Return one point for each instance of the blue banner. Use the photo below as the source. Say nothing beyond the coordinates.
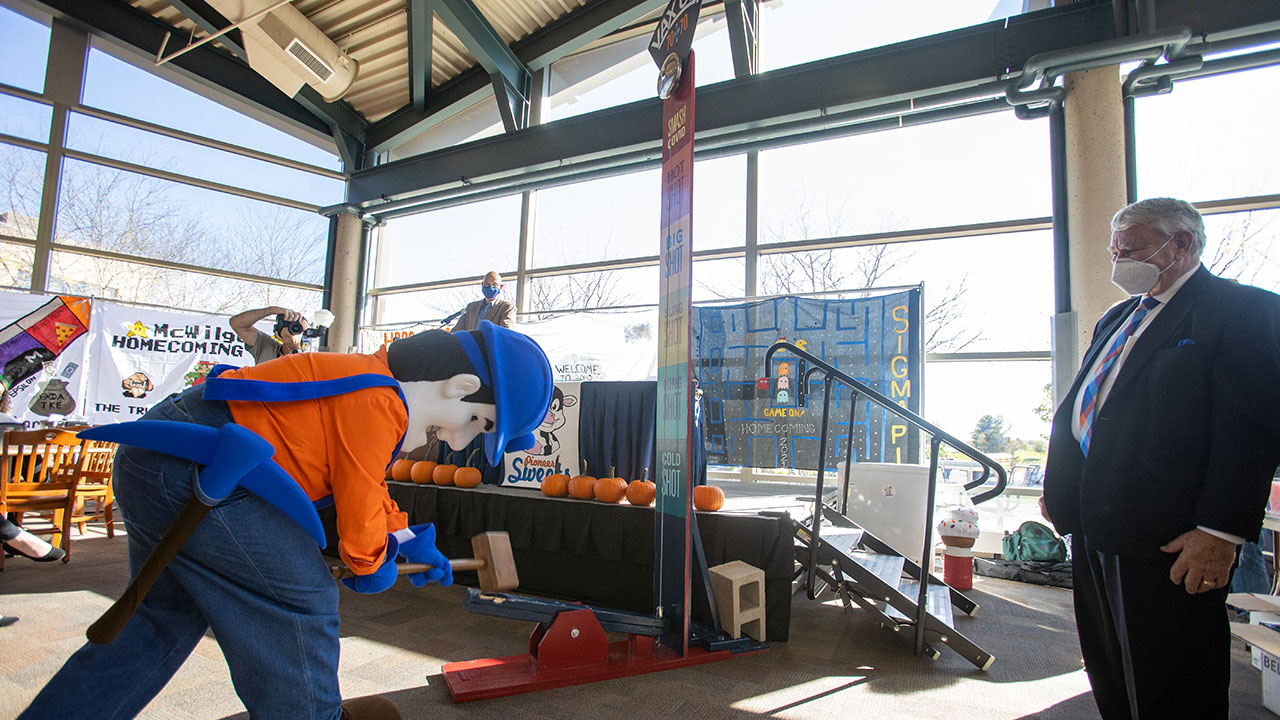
(776, 424)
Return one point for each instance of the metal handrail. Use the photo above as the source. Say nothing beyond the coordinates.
(937, 437)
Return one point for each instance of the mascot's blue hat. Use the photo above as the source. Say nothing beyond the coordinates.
(518, 371)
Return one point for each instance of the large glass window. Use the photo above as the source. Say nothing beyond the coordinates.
(481, 120)
(624, 71)
(137, 215)
(453, 242)
(24, 51)
(1244, 246)
(25, 119)
(989, 293)
(133, 282)
(598, 220)
(607, 288)
(114, 85)
(141, 147)
(21, 188)
(718, 280)
(434, 305)
(971, 170)
(958, 394)
(1211, 138)
(798, 32)
(15, 261)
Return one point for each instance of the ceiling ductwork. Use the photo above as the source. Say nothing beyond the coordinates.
(288, 49)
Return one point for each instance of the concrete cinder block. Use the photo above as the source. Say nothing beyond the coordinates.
(739, 591)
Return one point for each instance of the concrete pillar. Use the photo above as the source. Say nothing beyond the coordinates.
(1094, 119)
(344, 299)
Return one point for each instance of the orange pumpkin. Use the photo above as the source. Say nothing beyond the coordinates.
(469, 475)
(443, 474)
(421, 471)
(708, 497)
(641, 492)
(555, 485)
(401, 469)
(610, 489)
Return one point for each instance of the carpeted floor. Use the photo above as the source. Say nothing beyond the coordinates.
(837, 663)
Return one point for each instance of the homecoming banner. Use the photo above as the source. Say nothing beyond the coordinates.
(42, 352)
(752, 422)
(140, 356)
(557, 436)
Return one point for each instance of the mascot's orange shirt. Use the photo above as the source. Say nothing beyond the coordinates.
(338, 445)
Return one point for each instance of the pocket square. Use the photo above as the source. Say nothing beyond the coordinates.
(1186, 341)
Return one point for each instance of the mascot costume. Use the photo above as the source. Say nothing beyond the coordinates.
(219, 487)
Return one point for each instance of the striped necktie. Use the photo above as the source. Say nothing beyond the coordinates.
(1089, 396)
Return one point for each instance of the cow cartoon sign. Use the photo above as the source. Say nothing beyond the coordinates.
(556, 450)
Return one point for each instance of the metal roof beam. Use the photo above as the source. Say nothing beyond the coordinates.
(419, 16)
(744, 39)
(559, 39)
(510, 77)
(211, 21)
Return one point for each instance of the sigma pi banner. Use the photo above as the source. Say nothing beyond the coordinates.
(141, 355)
(42, 352)
(557, 436)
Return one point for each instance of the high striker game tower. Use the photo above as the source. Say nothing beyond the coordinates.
(569, 645)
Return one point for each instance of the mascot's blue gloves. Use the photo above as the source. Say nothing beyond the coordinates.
(380, 579)
(421, 548)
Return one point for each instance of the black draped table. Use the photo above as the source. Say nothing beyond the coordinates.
(593, 552)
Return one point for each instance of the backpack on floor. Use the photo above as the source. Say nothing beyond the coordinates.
(1034, 542)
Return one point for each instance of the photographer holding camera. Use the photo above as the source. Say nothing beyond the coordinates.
(289, 330)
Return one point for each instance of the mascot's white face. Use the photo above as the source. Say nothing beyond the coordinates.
(438, 405)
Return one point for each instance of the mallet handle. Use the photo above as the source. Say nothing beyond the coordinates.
(106, 628)
(342, 571)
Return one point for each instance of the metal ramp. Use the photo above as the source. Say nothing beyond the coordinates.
(834, 554)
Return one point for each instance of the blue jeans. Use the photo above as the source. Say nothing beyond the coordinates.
(247, 572)
(1251, 575)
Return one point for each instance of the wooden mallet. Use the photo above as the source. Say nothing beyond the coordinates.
(493, 562)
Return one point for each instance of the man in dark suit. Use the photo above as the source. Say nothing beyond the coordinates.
(1160, 461)
(498, 312)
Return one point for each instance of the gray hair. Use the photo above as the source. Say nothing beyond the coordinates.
(1167, 215)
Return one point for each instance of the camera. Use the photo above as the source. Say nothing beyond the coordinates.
(293, 328)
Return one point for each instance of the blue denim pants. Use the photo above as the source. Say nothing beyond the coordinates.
(248, 573)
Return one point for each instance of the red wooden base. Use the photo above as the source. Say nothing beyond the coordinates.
(572, 651)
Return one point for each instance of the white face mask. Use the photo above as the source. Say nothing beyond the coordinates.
(1137, 277)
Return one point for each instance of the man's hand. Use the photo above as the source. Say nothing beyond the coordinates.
(1204, 561)
(1044, 512)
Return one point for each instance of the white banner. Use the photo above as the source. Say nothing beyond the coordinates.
(599, 345)
(557, 436)
(43, 342)
(141, 355)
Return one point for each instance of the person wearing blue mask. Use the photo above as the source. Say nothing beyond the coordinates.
(1160, 463)
(491, 308)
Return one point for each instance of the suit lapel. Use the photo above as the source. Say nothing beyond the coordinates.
(1157, 334)
(1100, 339)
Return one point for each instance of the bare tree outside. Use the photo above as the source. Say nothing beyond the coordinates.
(806, 217)
(146, 218)
(1243, 252)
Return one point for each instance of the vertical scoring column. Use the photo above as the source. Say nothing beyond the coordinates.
(671, 536)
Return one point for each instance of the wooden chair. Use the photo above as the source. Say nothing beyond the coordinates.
(95, 496)
(38, 474)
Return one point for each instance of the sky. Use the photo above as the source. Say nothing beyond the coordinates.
(1208, 139)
